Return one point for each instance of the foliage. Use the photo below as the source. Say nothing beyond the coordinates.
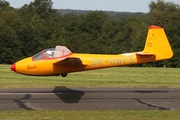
(36, 26)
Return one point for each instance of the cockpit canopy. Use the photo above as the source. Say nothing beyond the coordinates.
(51, 53)
(44, 54)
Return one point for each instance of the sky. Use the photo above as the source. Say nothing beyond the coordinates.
(105, 5)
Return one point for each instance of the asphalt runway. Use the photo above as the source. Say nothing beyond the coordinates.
(62, 98)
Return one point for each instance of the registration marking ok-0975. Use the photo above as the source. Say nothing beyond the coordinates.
(112, 61)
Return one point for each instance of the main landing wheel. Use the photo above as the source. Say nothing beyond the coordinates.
(64, 74)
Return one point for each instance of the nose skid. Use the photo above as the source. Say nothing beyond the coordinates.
(13, 67)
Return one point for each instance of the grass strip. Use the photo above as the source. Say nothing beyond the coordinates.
(90, 115)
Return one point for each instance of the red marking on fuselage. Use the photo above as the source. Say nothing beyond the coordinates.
(31, 67)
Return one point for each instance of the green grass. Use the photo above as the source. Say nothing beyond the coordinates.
(113, 77)
(90, 115)
(120, 77)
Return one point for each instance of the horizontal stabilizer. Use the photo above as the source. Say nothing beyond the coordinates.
(144, 54)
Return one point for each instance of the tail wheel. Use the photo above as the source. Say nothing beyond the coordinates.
(64, 74)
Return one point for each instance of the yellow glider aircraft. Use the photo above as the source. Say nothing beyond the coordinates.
(61, 61)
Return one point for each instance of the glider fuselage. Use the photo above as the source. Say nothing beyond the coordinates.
(84, 62)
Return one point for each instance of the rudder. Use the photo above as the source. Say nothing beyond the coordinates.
(157, 44)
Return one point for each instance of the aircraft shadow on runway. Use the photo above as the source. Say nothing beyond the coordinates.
(151, 91)
(68, 95)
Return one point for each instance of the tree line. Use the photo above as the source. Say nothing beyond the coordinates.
(35, 26)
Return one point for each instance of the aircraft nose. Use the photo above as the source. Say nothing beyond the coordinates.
(13, 67)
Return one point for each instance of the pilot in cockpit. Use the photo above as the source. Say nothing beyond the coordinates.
(49, 54)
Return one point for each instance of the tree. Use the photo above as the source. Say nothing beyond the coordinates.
(166, 14)
(92, 24)
(10, 46)
(40, 23)
(4, 4)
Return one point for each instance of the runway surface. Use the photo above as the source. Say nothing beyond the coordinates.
(62, 98)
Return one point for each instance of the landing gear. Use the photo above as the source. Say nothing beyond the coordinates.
(64, 74)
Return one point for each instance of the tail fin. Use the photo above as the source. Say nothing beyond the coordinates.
(157, 44)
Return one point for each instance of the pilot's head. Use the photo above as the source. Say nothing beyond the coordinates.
(49, 54)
